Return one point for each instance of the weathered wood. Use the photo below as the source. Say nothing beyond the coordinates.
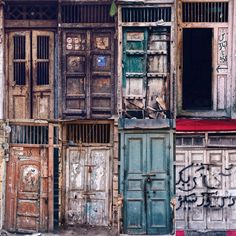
(26, 185)
(51, 178)
(88, 73)
(194, 215)
(30, 79)
(221, 76)
(30, 24)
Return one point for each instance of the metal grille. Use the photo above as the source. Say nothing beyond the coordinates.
(30, 12)
(86, 14)
(25, 134)
(19, 60)
(205, 11)
(146, 14)
(88, 133)
(43, 60)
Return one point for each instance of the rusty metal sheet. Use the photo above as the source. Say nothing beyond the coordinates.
(87, 183)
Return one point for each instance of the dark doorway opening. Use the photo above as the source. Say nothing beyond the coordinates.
(197, 69)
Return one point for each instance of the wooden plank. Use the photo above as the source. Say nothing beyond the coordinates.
(51, 179)
(30, 24)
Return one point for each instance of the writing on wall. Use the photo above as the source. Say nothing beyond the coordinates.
(200, 185)
(223, 46)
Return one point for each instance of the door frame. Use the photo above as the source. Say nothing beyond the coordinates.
(122, 157)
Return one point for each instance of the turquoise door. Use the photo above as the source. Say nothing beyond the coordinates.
(145, 175)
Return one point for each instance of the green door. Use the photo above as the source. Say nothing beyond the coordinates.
(145, 161)
(146, 70)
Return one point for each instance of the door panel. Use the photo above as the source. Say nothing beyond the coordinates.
(158, 196)
(76, 185)
(87, 186)
(19, 75)
(89, 73)
(26, 208)
(43, 74)
(30, 74)
(146, 184)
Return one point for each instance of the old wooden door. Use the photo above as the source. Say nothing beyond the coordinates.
(146, 183)
(88, 82)
(30, 74)
(26, 190)
(146, 71)
(87, 185)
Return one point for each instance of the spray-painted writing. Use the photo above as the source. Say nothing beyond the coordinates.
(195, 178)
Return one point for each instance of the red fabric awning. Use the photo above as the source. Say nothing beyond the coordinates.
(205, 125)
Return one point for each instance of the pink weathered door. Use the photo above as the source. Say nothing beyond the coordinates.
(26, 190)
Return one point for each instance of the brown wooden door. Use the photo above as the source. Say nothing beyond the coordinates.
(30, 74)
(43, 73)
(88, 83)
(26, 190)
(19, 75)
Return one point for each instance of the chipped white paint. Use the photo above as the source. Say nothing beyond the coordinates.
(87, 184)
(192, 216)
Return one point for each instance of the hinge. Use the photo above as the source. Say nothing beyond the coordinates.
(169, 146)
(124, 146)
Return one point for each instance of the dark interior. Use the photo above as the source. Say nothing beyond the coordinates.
(197, 69)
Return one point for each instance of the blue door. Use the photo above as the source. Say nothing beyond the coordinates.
(145, 183)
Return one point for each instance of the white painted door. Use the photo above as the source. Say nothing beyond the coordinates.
(87, 185)
(206, 188)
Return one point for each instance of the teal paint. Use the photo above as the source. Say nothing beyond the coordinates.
(146, 197)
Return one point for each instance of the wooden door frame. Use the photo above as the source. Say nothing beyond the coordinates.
(179, 62)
